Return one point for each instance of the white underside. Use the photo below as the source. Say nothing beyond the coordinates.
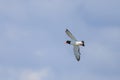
(77, 43)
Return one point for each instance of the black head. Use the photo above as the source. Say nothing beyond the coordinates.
(68, 42)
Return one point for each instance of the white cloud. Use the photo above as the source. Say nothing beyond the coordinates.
(98, 55)
(101, 48)
(107, 10)
(43, 74)
(101, 56)
(24, 10)
(25, 74)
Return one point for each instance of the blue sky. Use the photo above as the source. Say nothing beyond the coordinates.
(32, 39)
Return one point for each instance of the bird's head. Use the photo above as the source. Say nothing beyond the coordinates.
(68, 42)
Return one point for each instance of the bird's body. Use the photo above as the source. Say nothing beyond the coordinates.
(75, 44)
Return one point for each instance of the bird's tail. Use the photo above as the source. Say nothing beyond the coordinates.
(83, 44)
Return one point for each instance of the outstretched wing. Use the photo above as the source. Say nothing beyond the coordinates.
(70, 35)
(76, 50)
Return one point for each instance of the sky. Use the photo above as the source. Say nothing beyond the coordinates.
(32, 36)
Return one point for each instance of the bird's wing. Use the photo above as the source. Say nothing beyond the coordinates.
(70, 35)
(76, 50)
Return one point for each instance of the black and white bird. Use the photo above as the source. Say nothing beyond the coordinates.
(75, 44)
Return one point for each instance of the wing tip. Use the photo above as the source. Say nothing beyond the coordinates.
(78, 60)
(67, 29)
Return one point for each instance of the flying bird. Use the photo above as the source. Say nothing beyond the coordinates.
(75, 44)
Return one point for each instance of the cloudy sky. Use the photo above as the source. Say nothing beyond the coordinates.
(32, 39)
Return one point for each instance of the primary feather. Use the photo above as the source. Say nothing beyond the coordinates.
(70, 35)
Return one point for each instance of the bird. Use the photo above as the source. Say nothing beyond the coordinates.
(75, 44)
